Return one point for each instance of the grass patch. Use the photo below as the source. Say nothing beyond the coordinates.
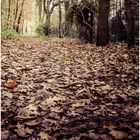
(10, 34)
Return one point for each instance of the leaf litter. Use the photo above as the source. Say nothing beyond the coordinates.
(58, 89)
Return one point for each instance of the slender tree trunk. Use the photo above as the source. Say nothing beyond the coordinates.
(60, 21)
(102, 38)
(113, 11)
(48, 16)
(43, 15)
(16, 11)
(66, 30)
(47, 24)
(8, 14)
(116, 6)
(120, 7)
(39, 2)
(91, 30)
(130, 23)
(120, 4)
(19, 18)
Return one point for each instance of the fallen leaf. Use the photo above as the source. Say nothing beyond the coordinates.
(75, 138)
(52, 100)
(5, 134)
(110, 74)
(32, 109)
(66, 62)
(7, 102)
(44, 136)
(9, 95)
(113, 96)
(73, 113)
(22, 98)
(19, 126)
(56, 109)
(50, 80)
(11, 84)
(24, 132)
(76, 105)
(32, 123)
(118, 134)
(106, 87)
(109, 127)
(32, 100)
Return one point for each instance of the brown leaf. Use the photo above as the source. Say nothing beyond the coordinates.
(32, 100)
(11, 84)
(7, 102)
(110, 127)
(118, 134)
(44, 136)
(75, 138)
(56, 109)
(4, 135)
(22, 98)
(32, 123)
(22, 131)
(32, 109)
(106, 87)
(78, 104)
(24, 114)
(9, 95)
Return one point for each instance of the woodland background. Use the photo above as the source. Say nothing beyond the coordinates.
(91, 20)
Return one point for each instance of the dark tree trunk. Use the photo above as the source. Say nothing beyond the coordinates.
(116, 6)
(16, 11)
(67, 22)
(48, 16)
(102, 38)
(60, 20)
(91, 30)
(47, 24)
(130, 23)
(19, 18)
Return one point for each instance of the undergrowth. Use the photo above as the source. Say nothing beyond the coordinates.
(10, 34)
(40, 29)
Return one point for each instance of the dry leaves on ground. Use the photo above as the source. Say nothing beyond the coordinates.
(65, 89)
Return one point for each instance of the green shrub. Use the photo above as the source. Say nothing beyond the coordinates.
(9, 34)
(40, 29)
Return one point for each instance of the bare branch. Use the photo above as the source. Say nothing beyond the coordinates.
(84, 19)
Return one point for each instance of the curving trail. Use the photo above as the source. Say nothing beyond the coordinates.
(68, 90)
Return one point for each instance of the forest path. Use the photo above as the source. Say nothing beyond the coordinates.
(67, 89)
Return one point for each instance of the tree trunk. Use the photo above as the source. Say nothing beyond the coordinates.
(60, 21)
(66, 30)
(102, 38)
(130, 23)
(16, 12)
(47, 24)
(19, 18)
(8, 14)
(116, 6)
(91, 30)
(40, 2)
